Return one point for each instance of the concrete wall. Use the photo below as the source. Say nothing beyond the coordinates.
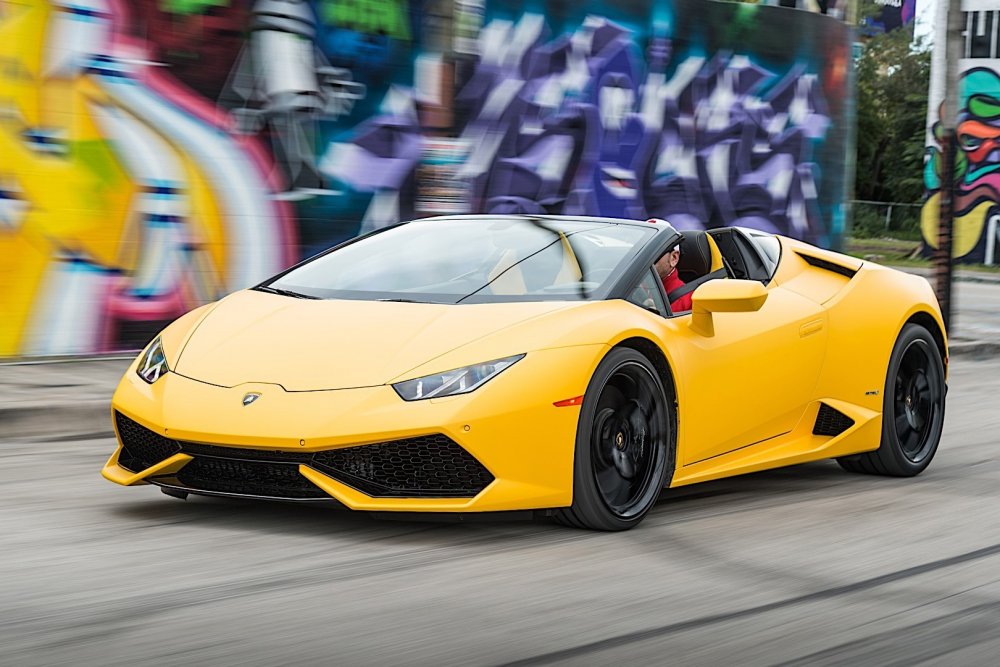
(157, 154)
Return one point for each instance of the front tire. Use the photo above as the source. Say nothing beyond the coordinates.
(624, 444)
(912, 409)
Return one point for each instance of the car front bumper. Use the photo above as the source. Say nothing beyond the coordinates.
(511, 447)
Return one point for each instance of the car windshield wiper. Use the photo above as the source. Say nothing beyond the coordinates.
(284, 292)
(404, 301)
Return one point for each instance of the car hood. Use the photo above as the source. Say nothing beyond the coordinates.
(307, 345)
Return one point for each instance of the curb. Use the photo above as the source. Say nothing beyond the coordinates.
(976, 278)
(63, 358)
(55, 420)
(959, 276)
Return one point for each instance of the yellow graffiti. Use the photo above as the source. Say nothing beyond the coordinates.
(79, 197)
(67, 205)
(967, 230)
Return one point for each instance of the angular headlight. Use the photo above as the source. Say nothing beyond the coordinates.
(459, 381)
(152, 363)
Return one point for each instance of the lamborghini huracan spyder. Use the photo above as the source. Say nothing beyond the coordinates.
(498, 362)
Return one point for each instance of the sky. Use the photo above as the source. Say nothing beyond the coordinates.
(924, 21)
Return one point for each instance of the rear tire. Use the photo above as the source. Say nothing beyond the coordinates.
(624, 445)
(912, 409)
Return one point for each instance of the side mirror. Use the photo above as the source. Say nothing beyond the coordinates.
(724, 296)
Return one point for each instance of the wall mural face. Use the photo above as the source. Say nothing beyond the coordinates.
(977, 171)
(158, 154)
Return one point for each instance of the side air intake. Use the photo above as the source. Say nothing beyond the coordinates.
(831, 422)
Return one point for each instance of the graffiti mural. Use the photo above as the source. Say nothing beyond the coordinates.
(128, 201)
(977, 171)
(722, 141)
(591, 115)
(157, 154)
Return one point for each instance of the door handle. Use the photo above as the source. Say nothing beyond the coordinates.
(809, 328)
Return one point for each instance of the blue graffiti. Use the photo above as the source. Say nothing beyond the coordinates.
(580, 124)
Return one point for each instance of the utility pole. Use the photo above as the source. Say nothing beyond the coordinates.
(954, 48)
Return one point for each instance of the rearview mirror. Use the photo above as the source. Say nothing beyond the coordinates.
(724, 296)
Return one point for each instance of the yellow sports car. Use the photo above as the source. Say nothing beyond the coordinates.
(498, 362)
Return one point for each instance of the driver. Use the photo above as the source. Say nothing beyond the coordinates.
(666, 268)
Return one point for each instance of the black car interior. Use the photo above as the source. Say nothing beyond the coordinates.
(743, 256)
(696, 256)
(695, 264)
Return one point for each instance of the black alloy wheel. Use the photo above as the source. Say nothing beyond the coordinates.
(624, 446)
(913, 409)
(917, 400)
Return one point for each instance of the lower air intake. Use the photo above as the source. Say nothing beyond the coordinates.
(831, 422)
(141, 448)
(266, 479)
(428, 466)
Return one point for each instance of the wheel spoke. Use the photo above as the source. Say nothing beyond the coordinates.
(603, 444)
(902, 426)
(637, 419)
(603, 460)
(611, 398)
(910, 447)
(934, 390)
(609, 481)
(625, 465)
(900, 394)
(621, 494)
(646, 403)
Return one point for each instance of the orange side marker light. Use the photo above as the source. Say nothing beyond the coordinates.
(578, 400)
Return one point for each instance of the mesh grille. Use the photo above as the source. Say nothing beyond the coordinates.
(432, 465)
(255, 478)
(142, 448)
(831, 422)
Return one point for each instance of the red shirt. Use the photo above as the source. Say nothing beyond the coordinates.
(672, 282)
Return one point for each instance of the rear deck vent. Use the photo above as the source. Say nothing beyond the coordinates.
(831, 422)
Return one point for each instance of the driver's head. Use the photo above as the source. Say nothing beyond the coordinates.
(666, 264)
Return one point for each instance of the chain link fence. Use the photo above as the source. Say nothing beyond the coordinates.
(878, 219)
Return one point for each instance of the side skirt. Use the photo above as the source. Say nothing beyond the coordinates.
(800, 445)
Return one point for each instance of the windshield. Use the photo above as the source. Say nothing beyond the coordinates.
(472, 260)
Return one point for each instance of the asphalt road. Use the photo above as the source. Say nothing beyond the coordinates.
(977, 310)
(807, 565)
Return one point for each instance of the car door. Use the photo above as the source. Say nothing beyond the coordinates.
(752, 380)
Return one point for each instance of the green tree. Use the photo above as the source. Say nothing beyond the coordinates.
(893, 77)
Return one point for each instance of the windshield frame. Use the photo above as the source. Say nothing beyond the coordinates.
(603, 292)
